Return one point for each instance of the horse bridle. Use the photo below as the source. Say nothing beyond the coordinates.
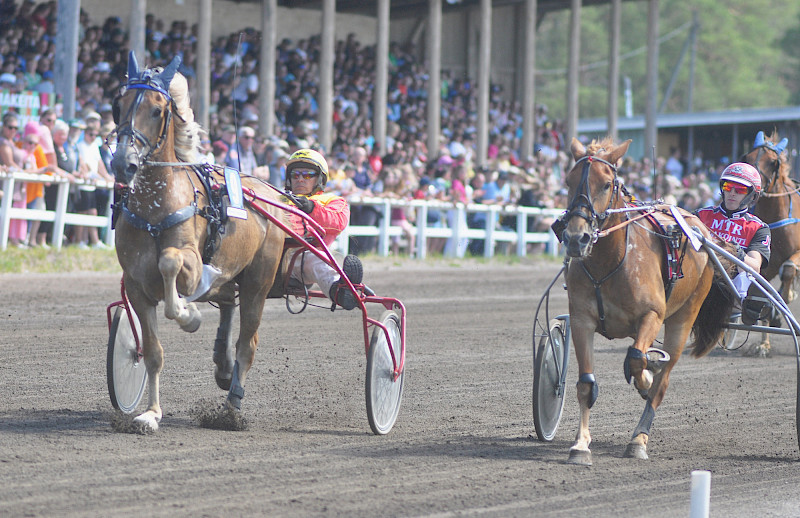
(127, 128)
(581, 204)
(776, 173)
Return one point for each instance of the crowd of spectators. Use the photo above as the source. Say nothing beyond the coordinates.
(402, 168)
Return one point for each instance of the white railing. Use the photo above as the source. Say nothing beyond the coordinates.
(491, 236)
(60, 217)
(384, 231)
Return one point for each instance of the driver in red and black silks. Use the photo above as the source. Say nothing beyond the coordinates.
(731, 221)
(306, 176)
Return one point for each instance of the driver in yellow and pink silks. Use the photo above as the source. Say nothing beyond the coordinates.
(306, 176)
(731, 221)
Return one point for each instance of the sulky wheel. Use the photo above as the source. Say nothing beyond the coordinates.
(384, 394)
(728, 341)
(548, 388)
(125, 371)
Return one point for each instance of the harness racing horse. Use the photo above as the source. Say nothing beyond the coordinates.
(624, 279)
(173, 241)
(778, 207)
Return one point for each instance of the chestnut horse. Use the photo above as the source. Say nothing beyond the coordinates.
(173, 243)
(778, 207)
(620, 284)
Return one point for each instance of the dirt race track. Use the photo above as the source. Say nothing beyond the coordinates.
(464, 443)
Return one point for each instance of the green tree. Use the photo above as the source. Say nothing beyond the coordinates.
(747, 55)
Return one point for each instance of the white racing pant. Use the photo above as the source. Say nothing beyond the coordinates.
(314, 270)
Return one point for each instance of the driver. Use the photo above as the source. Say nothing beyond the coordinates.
(731, 221)
(306, 176)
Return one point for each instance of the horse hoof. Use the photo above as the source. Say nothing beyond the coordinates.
(759, 351)
(193, 325)
(636, 451)
(146, 423)
(223, 379)
(656, 360)
(580, 457)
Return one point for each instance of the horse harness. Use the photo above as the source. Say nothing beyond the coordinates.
(671, 236)
(214, 212)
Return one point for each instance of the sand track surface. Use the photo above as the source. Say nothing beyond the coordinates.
(464, 442)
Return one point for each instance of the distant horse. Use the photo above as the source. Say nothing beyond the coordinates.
(779, 207)
(630, 272)
(173, 241)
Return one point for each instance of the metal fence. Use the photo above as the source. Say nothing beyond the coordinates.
(489, 232)
(60, 217)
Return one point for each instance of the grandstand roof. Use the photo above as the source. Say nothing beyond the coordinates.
(676, 120)
(408, 8)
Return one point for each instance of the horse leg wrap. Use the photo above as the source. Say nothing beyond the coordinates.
(236, 393)
(222, 342)
(589, 378)
(633, 354)
(646, 421)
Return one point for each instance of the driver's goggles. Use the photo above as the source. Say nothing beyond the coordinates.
(735, 187)
(305, 175)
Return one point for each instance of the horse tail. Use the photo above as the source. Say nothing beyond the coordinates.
(713, 317)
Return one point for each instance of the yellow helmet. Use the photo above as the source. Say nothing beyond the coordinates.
(306, 158)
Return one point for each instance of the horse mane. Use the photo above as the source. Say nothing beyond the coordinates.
(784, 156)
(595, 146)
(188, 133)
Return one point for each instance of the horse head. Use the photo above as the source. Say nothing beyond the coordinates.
(143, 113)
(767, 156)
(593, 187)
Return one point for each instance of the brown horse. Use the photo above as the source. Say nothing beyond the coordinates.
(779, 207)
(621, 284)
(173, 243)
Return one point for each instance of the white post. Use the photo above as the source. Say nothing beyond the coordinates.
(422, 223)
(386, 222)
(5, 216)
(701, 494)
(522, 228)
(61, 210)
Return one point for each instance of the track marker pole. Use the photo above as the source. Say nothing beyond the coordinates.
(701, 494)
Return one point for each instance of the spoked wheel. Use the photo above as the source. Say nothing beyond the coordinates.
(125, 371)
(382, 392)
(548, 391)
(728, 341)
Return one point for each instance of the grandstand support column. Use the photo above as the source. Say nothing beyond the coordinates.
(434, 54)
(65, 66)
(529, 86)
(326, 74)
(484, 81)
(613, 68)
(203, 98)
(650, 123)
(266, 73)
(136, 29)
(381, 77)
(572, 70)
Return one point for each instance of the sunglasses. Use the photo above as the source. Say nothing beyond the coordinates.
(305, 175)
(735, 187)
(15, 128)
